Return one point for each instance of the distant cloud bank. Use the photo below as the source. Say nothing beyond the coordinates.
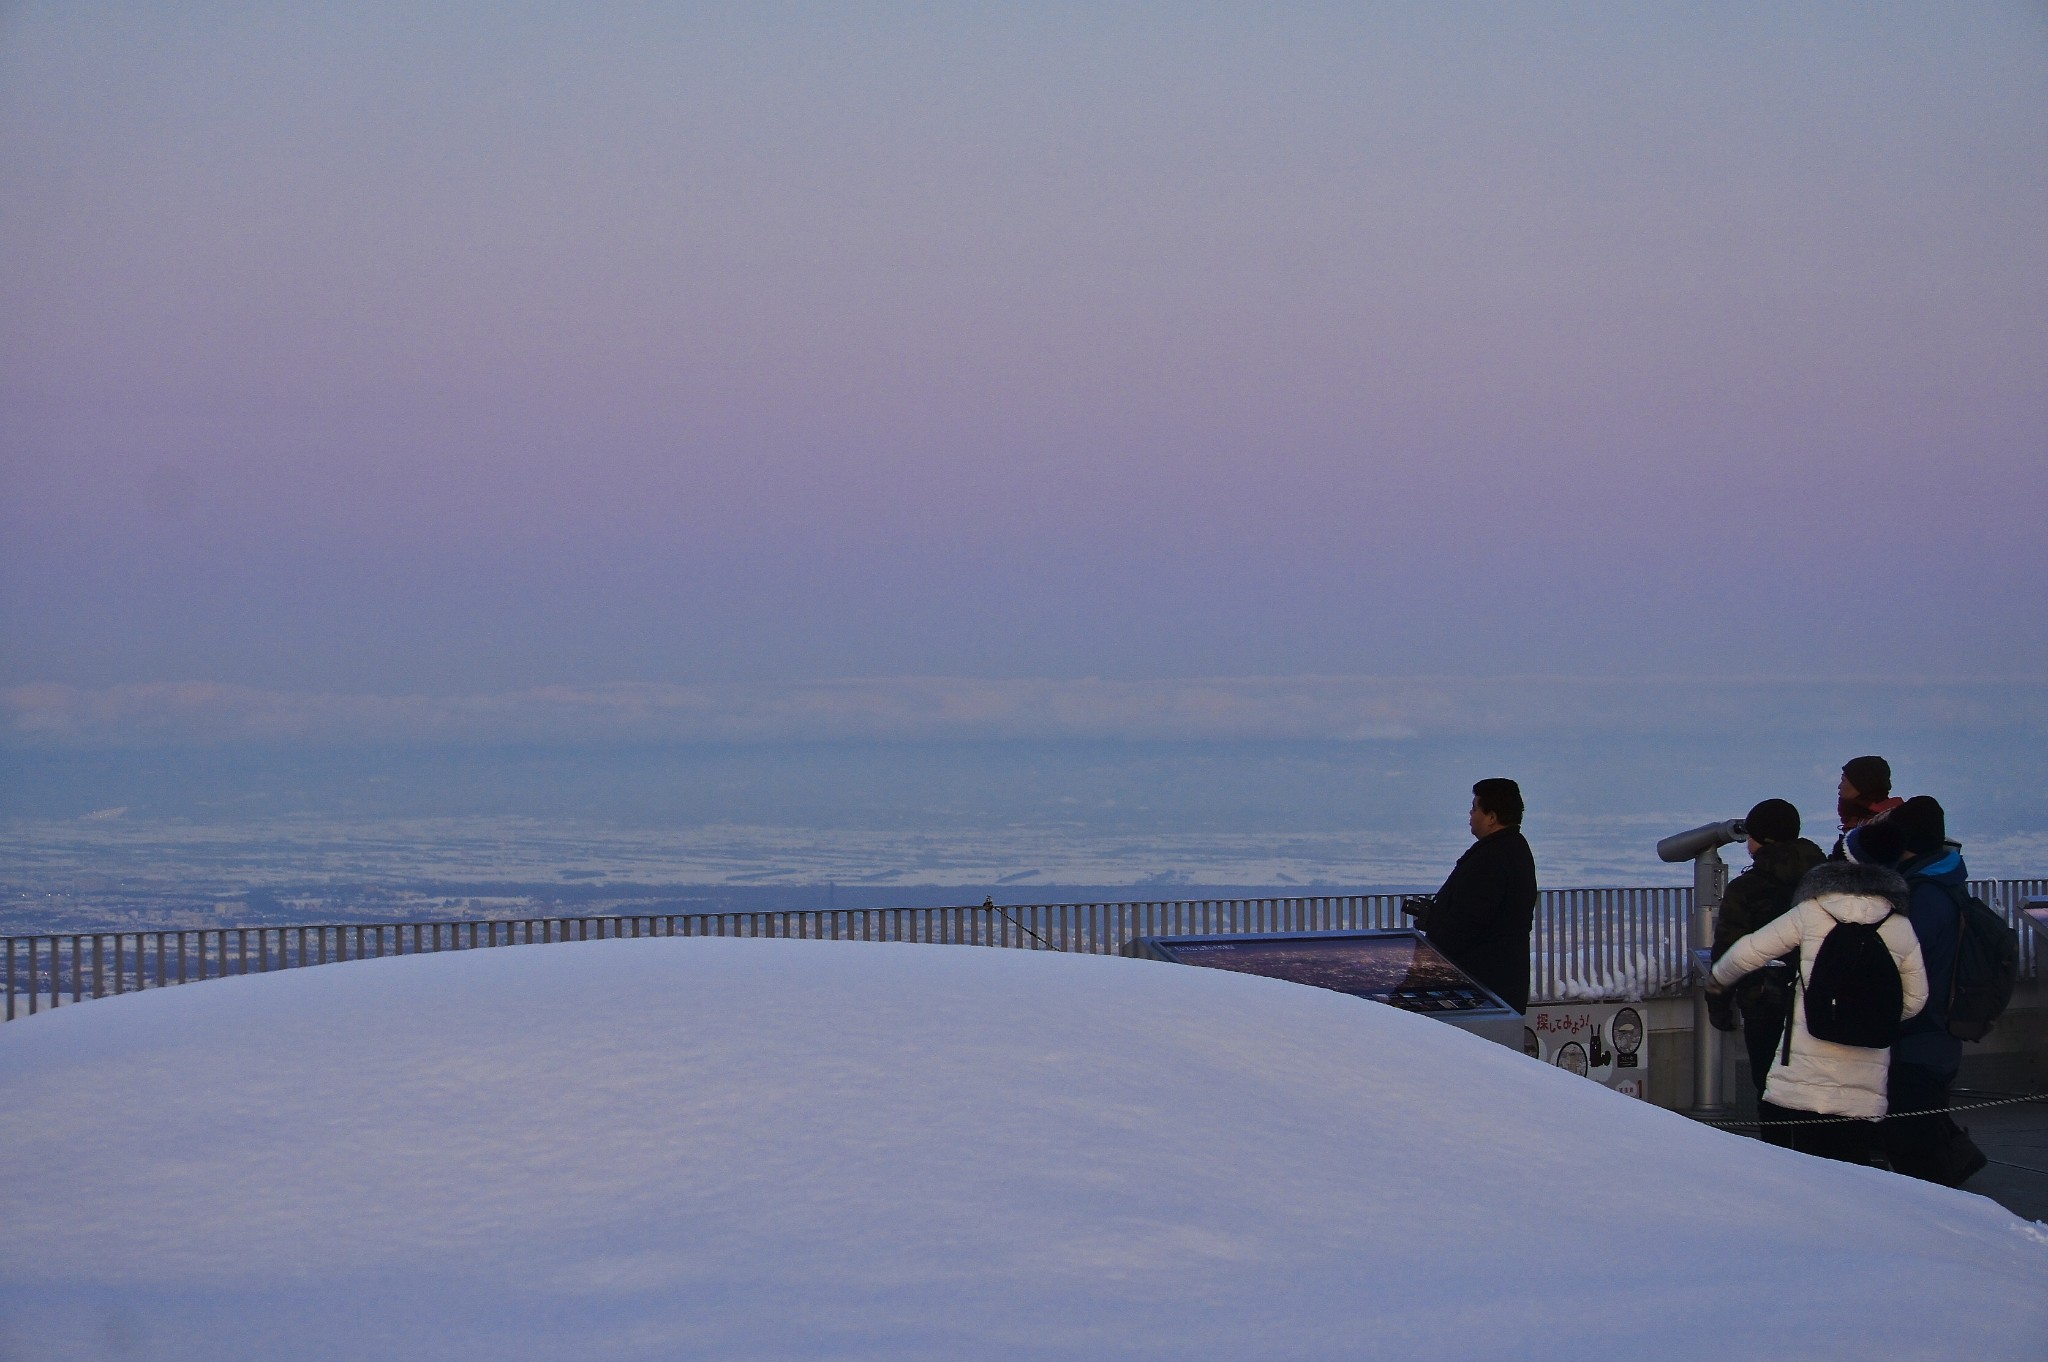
(914, 709)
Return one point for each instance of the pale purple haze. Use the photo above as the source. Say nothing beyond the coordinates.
(396, 350)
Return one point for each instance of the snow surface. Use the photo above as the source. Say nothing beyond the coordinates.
(720, 1148)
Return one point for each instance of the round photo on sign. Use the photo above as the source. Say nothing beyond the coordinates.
(1573, 1057)
(1531, 1047)
(1628, 1031)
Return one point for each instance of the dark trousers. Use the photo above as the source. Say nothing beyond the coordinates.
(1849, 1141)
(1916, 1144)
(1763, 1029)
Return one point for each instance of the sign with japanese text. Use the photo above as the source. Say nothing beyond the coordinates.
(1606, 1042)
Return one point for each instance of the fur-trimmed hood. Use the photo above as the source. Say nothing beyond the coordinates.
(1872, 890)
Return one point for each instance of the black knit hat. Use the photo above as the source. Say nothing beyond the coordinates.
(1922, 824)
(1774, 820)
(1870, 776)
(1875, 843)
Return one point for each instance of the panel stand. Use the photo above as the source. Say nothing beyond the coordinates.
(1709, 878)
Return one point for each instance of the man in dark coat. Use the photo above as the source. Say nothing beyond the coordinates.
(1483, 915)
(1926, 1058)
(1779, 859)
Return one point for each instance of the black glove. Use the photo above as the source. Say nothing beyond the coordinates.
(1721, 1010)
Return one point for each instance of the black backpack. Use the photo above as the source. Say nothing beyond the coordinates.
(1853, 992)
(1987, 966)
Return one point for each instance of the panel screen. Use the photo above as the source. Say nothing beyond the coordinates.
(2036, 912)
(1400, 969)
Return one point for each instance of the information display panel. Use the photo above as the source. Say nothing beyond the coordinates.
(2035, 911)
(1397, 967)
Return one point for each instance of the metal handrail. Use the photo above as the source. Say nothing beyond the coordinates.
(1587, 943)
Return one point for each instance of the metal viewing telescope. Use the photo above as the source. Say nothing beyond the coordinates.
(1702, 846)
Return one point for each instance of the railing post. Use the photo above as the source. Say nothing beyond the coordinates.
(1709, 879)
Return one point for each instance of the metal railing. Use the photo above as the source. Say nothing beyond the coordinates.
(1587, 943)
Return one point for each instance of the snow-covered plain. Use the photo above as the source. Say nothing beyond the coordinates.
(684, 1148)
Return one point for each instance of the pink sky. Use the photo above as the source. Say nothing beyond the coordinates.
(471, 352)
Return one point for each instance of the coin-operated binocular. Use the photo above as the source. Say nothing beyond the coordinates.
(1705, 840)
(1702, 846)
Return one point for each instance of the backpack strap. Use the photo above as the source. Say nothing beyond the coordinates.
(1791, 1017)
(1960, 897)
(1792, 1012)
(1798, 987)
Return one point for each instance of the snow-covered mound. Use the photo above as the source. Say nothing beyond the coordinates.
(769, 1149)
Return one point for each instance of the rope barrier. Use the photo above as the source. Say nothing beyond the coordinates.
(1871, 1121)
(991, 903)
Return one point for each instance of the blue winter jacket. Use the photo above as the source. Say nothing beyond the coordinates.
(1924, 1040)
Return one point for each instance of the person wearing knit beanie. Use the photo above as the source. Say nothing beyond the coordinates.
(1779, 860)
(1928, 1056)
(1864, 792)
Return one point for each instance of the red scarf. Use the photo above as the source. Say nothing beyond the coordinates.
(1855, 813)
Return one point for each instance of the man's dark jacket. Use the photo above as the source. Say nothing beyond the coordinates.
(1484, 913)
(1924, 1039)
(1759, 895)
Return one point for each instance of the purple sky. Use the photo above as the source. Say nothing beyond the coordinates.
(478, 350)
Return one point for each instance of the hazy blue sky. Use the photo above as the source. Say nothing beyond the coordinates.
(454, 349)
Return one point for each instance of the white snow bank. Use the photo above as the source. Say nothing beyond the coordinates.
(769, 1149)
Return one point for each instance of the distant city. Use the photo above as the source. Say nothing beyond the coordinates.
(108, 871)
(140, 840)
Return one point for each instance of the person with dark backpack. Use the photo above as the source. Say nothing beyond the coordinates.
(1860, 976)
(1972, 958)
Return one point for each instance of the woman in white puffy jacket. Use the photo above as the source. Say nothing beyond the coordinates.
(1823, 1078)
